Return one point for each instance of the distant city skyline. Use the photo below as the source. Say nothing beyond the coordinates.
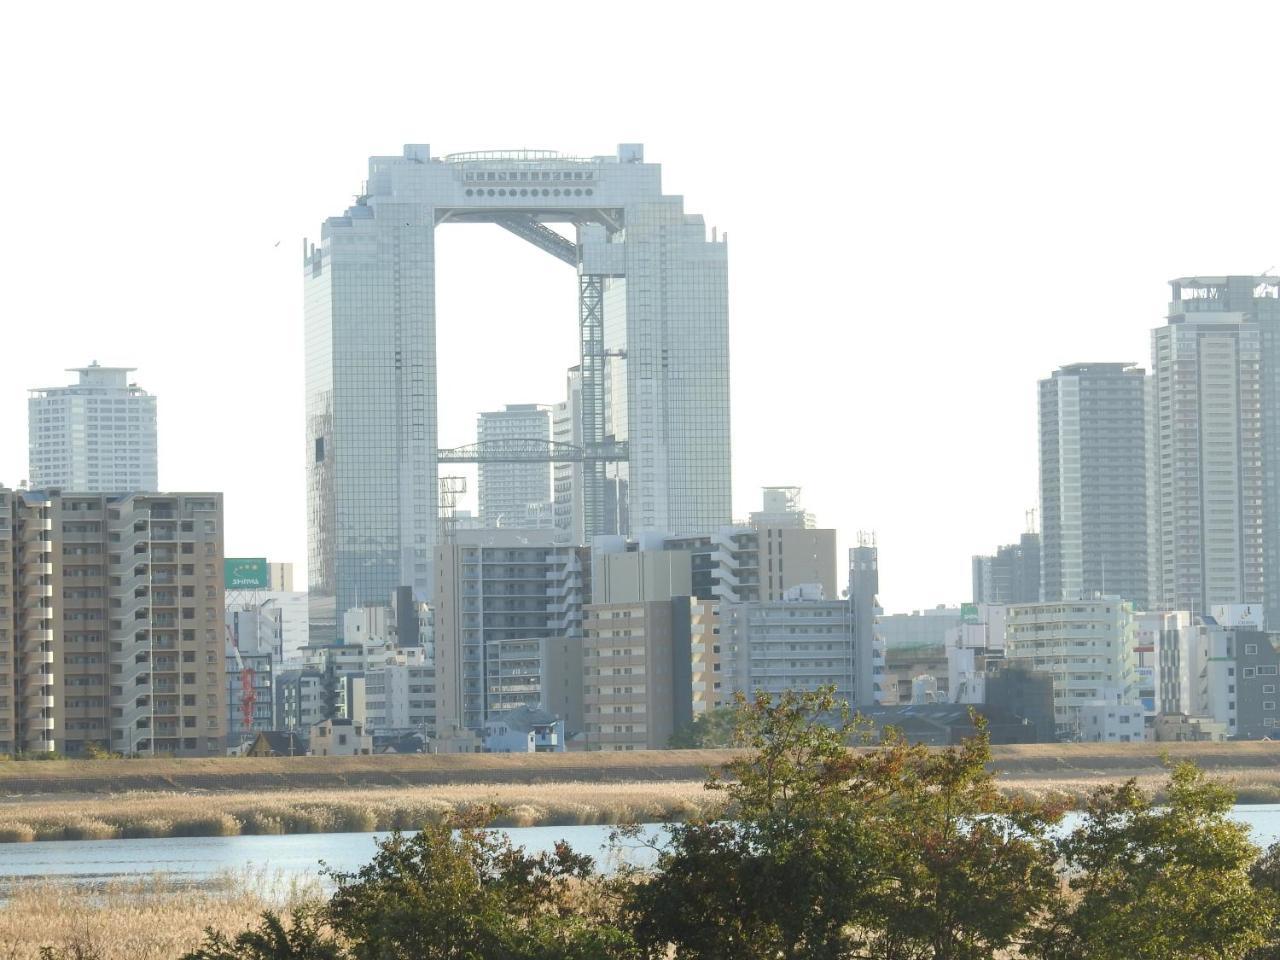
(973, 229)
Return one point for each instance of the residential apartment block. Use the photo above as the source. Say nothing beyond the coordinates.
(111, 621)
(499, 585)
(637, 661)
(796, 644)
(1087, 646)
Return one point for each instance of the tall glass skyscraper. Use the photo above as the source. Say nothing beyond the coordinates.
(1093, 483)
(654, 360)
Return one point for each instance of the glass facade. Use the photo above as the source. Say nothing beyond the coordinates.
(371, 384)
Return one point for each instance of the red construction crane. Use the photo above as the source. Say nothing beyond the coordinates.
(248, 695)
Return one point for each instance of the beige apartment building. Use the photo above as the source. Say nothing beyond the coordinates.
(794, 556)
(710, 672)
(111, 621)
(636, 650)
(635, 661)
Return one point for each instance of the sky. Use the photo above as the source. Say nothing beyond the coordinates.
(929, 207)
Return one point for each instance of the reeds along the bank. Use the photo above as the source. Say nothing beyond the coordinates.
(359, 810)
(343, 811)
(150, 919)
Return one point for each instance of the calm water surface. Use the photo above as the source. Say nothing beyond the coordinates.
(193, 859)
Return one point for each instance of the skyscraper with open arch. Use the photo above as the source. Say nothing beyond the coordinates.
(654, 358)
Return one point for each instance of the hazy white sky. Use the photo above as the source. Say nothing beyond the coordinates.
(930, 206)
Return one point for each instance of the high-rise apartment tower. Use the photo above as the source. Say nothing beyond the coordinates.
(515, 494)
(1205, 436)
(95, 436)
(1093, 483)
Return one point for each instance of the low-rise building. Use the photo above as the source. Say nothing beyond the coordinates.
(340, 737)
(524, 730)
(1178, 727)
(400, 696)
(1111, 722)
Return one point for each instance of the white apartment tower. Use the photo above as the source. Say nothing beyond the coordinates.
(1087, 645)
(515, 494)
(1205, 493)
(94, 436)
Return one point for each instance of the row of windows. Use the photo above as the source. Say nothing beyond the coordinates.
(576, 192)
(531, 175)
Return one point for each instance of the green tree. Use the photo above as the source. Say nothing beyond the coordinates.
(896, 852)
(1265, 877)
(784, 868)
(715, 728)
(970, 870)
(1154, 882)
(470, 895)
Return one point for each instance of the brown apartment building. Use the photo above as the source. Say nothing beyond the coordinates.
(111, 623)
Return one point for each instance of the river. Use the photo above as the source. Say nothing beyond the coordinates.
(193, 859)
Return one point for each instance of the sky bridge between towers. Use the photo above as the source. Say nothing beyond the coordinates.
(527, 450)
(645, 424)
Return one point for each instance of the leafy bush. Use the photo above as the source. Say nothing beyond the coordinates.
(819, 852)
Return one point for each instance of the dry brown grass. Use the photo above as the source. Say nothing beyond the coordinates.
(69, 800)
(644, 766)
(149, 919)
(166, 814)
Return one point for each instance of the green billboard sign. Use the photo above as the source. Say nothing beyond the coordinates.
(246, 573)
(968, 613)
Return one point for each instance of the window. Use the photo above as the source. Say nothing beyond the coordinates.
(1250, 649)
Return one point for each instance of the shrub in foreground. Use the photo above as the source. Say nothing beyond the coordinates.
(816, 852)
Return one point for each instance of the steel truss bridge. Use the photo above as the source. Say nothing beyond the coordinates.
(535, 451)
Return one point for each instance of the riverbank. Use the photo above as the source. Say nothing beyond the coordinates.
(147, 919)
(110, 799)
(353, 810)
(1047, 760)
